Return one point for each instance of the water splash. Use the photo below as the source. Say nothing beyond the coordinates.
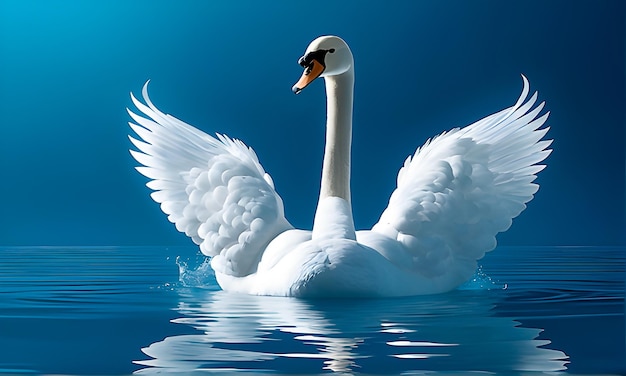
(199, 275)
(481, 281)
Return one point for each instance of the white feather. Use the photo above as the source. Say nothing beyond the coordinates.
(453, 196)
(199, 187)
(481, 177)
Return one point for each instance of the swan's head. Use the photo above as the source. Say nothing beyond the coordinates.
(325, 56)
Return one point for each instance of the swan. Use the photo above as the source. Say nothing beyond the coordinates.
(453, 196)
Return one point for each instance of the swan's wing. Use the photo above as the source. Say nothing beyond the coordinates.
(213, 190)
(463, 187)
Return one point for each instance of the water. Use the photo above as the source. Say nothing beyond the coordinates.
(121, 310)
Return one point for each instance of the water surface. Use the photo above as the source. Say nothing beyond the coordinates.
(119, 310)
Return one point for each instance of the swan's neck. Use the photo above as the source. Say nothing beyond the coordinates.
(336, 166)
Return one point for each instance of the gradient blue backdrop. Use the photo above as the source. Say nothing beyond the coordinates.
(67, 67)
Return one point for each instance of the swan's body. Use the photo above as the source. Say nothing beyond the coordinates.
(453, 196)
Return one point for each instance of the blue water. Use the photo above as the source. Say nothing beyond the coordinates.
(120, 310)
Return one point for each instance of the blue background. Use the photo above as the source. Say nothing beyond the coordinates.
(67, 67)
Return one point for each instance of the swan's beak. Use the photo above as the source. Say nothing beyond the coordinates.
(311, 72)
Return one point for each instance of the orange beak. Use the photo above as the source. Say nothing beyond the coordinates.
(310, 73)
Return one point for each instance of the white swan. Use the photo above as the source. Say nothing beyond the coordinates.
(453, 196)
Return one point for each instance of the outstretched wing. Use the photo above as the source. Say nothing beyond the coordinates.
(214, 190)
(463, 187)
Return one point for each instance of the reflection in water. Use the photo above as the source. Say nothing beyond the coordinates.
(452, 332)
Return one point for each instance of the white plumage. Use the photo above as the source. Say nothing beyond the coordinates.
(452, 198)
(214, 190)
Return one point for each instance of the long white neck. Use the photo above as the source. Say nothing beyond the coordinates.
(336, 166)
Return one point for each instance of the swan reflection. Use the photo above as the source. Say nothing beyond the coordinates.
(448, 332)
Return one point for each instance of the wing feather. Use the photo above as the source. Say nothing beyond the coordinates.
(464, 186)
(213, 189)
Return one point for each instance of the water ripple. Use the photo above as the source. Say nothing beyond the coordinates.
(70, 310)
(344, 337)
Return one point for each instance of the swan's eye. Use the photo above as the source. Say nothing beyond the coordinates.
(306, 61)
